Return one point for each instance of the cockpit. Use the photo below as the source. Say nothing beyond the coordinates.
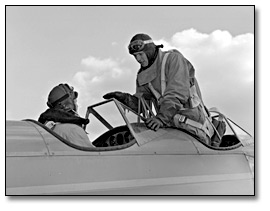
(114, 126)
(128, 125)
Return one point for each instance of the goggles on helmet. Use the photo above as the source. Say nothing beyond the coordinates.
(68, 93)
(138, 45)
(69, 90)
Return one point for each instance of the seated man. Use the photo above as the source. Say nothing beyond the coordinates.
(62, 116)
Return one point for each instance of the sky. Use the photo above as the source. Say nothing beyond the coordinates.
(86, 46)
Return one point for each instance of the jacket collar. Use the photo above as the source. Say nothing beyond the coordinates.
(150, 73)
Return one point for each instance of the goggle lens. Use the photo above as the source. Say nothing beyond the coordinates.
(137, 47)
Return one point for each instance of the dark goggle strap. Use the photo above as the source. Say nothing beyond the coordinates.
(51, 105)
(67, 89)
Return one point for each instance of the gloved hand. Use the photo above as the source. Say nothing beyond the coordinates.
(153, 123)
(117, 95)
(86, 121)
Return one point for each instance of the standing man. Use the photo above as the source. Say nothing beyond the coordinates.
(169, 78)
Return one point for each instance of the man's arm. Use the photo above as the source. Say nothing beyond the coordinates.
(62, 117)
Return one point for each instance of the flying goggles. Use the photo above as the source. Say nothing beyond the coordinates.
(138, 45)
(68, 93)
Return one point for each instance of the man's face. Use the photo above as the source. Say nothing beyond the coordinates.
(141, 58)
(75, 105)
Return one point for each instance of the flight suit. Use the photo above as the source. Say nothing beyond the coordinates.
(177, 97)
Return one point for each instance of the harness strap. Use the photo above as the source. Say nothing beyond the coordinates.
(209, 127)
(51, 105)
(163, 79)
(155, 92)
(194, 99)
(183, 119)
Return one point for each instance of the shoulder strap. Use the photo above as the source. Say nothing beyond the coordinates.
(154, 92)
(163, 79)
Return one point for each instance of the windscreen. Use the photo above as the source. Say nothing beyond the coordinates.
(110, 114)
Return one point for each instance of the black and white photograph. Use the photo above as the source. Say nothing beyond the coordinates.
(141, 105)
(130, 100)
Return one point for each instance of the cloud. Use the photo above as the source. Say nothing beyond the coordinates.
(224, 67)
(100, 64)
(97, 70)
(221, 61)
(101, 76)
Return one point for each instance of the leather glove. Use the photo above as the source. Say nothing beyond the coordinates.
(86, 121)
(117, 95)
(153, 123)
